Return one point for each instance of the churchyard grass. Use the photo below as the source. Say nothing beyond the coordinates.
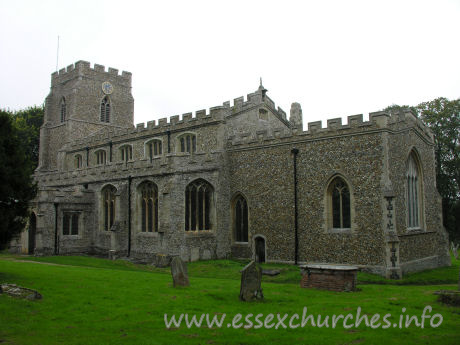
(88, 300)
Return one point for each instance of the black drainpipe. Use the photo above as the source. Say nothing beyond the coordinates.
(296, 236)
(110, 155)
(56, 250)
(169, 139)
(87, 156)
(129, 215)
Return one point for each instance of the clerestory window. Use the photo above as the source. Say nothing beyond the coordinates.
(126, 153)
(187, 143)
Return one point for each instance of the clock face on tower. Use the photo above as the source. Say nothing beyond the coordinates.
(107, 88)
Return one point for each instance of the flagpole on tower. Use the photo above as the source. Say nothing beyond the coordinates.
(57, 55)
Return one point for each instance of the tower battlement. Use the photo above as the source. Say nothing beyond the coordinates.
(81, 68)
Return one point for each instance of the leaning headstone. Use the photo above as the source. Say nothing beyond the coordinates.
(251, 281)
(179, 272)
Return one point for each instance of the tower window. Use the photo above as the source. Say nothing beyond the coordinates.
(105, 110)
(63, 110)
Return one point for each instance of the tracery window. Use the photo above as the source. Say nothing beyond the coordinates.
(198, 206)
(78, 161)
(101, 157)
(108, 205)
(105, 110)
(414, 195)
(340, 210)
(149, 207)
(70, 223)
(154, 148)
(187, 143)
(63, 110)
(240, 219)
(126, 153)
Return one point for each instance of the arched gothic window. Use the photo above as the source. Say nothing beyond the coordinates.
(108, 205)
(240, 219)
(414, 192)
(339, 204)
(149, 207)
(105, 110)
(154, 148)
(187, 143)
(198, 206)
(63, 110)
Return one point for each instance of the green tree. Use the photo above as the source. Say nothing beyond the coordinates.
(16, 187)
(443, 117)
(28, 122)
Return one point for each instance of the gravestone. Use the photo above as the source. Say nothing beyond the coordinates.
(251, 281)
(20, 292)
(179, 272)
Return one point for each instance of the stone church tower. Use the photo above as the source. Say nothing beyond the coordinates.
(83, 101)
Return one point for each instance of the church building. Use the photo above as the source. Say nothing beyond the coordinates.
(240, 180)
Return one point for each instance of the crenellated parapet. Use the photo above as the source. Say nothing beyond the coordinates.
(355, 125)
(83, 68)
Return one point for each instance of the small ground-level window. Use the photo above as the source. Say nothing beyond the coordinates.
(126, 153)
(70, 223)
(78, 161)
(188, 143)
(101, 157)
(240, 219)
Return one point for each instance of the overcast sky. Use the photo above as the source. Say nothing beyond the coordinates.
(336, 58)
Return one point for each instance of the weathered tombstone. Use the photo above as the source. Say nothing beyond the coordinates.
(179, 272)
(20, 292)
(251, 281)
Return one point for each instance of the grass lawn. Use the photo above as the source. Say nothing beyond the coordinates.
(96, 301)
